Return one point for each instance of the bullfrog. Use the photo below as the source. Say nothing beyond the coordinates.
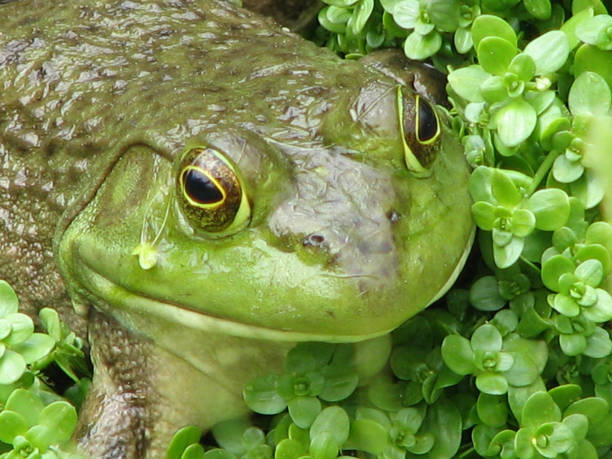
(197, 189)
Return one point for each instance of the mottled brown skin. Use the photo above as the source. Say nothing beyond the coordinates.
(93, 92)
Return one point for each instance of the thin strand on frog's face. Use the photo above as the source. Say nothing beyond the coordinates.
(371, 106)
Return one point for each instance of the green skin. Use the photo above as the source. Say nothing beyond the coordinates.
(98, 105)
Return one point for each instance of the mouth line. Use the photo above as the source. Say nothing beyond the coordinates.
(126, 302)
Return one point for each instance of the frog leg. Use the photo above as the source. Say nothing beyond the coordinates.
(143, 392)
(115, 420)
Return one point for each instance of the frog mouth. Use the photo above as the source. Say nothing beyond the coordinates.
(138, 312)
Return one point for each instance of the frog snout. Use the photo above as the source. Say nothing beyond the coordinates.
(343, 219)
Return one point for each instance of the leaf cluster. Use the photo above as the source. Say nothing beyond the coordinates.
(35, 422)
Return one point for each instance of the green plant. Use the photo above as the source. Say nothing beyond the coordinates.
(35, 422)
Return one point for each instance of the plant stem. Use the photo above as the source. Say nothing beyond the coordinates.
(543, 170)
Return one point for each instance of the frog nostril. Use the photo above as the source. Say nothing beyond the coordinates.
(393, 216)
(314, 240)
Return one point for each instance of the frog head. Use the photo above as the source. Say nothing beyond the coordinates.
(332, 218)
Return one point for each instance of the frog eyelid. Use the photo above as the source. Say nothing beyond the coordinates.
(418, 121)
(412, 163)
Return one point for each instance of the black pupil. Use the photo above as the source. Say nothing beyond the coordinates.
(199, 187)
(428, 124)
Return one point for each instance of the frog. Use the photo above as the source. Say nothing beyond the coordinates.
(196, 189)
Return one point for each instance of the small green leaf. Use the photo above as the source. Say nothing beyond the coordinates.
(333, 19)
(492, 409)
(304, 410)
(565, 305)
(569, 27)
(590, 94)
(462, 40)
(22, 328)
(523, 66)
(549, 51)
(260, 395)
(591, 58)
(444, 14)
(444, 421)
(523, 222)
(8, 299)
(340, 382)
(492, 26)
(12, 367)
(361, 14)
(341, 3)
(181, 440)
(484, 215)
(310, 356)
(323, 446)
(421, 47)
(553, 268)
(466, 82)
(484, 294)
(591, 272)
(26, 404)
(595, 31)
(486, 338)
(566, 171)
(49, 318)
(565, 395)
(11, 425)
(504, 190)
(367, 435)
(35, 347)
(594, 408)
(495, 54)
(405, 13)
(334, 421)
(550, 207)
(583, 449)
(61, 418)
(507, 255)
(601, 311)
(523, 372)
(289, 449)
(493, 90)
(194, 451)
(540, 408)
(515, 122)
(218, 453)
(491, 383)
(539, 9)
(458, 355)
(482, 439)
(518, 396)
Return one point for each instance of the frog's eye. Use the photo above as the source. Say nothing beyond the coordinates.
(420, 131)
(427, 125)
(210, 193)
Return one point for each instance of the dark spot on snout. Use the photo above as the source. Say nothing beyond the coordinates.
(314, 240)
(393, 216)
